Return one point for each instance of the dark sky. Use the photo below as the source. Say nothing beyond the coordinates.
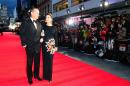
(11, 4)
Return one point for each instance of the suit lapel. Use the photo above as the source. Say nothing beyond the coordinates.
(37, 26)
(33, 27)
(32, 24)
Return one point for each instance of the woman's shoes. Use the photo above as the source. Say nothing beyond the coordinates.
(38, 78)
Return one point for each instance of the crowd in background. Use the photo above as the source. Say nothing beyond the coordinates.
(103, 28)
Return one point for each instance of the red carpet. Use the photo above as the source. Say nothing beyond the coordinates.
(66, 71)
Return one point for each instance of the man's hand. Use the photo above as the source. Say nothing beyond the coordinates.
(42, 33)
(24, 46)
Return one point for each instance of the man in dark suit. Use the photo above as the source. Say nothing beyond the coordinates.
(30, 32)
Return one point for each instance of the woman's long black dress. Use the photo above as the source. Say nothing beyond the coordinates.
(50, 33)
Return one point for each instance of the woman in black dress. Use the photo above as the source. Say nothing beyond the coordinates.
(49, 46)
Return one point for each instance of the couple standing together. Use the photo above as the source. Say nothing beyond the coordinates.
(33, 35)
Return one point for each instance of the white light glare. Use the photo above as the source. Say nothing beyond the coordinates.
(106, 3)
(82, 7)
(101, 5)
(70, 22)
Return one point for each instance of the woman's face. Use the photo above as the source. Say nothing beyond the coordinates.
(48, 19)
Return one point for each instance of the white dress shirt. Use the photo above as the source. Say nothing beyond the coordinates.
(34, 22)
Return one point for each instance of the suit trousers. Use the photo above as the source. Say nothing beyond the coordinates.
(32, 55)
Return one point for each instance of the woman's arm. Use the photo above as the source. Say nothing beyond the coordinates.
(56, 37)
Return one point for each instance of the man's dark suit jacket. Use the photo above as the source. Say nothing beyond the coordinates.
(30, 36)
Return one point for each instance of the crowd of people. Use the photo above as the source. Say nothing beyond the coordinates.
(85, 37)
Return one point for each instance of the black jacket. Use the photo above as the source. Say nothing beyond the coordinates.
(29, 35)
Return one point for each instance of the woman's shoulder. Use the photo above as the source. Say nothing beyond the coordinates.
(48, 27)
(44, 26)
(55, 27)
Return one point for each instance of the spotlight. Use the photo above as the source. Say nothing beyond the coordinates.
(68, 11)
(101, 5)
(70, 22)
(106, 3)
(82, 7)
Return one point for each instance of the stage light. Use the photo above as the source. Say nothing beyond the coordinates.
(101, 5)
(68, 11)
(106, 3)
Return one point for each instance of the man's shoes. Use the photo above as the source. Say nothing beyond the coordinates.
(38, 78)
(50, 81)
(30, 81)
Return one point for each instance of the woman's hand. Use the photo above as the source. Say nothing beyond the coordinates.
(41, 40)
(56, 48)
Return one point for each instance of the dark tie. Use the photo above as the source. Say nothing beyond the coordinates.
(35, 24)
(34, 21)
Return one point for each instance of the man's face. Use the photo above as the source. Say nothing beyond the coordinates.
(35, 14)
